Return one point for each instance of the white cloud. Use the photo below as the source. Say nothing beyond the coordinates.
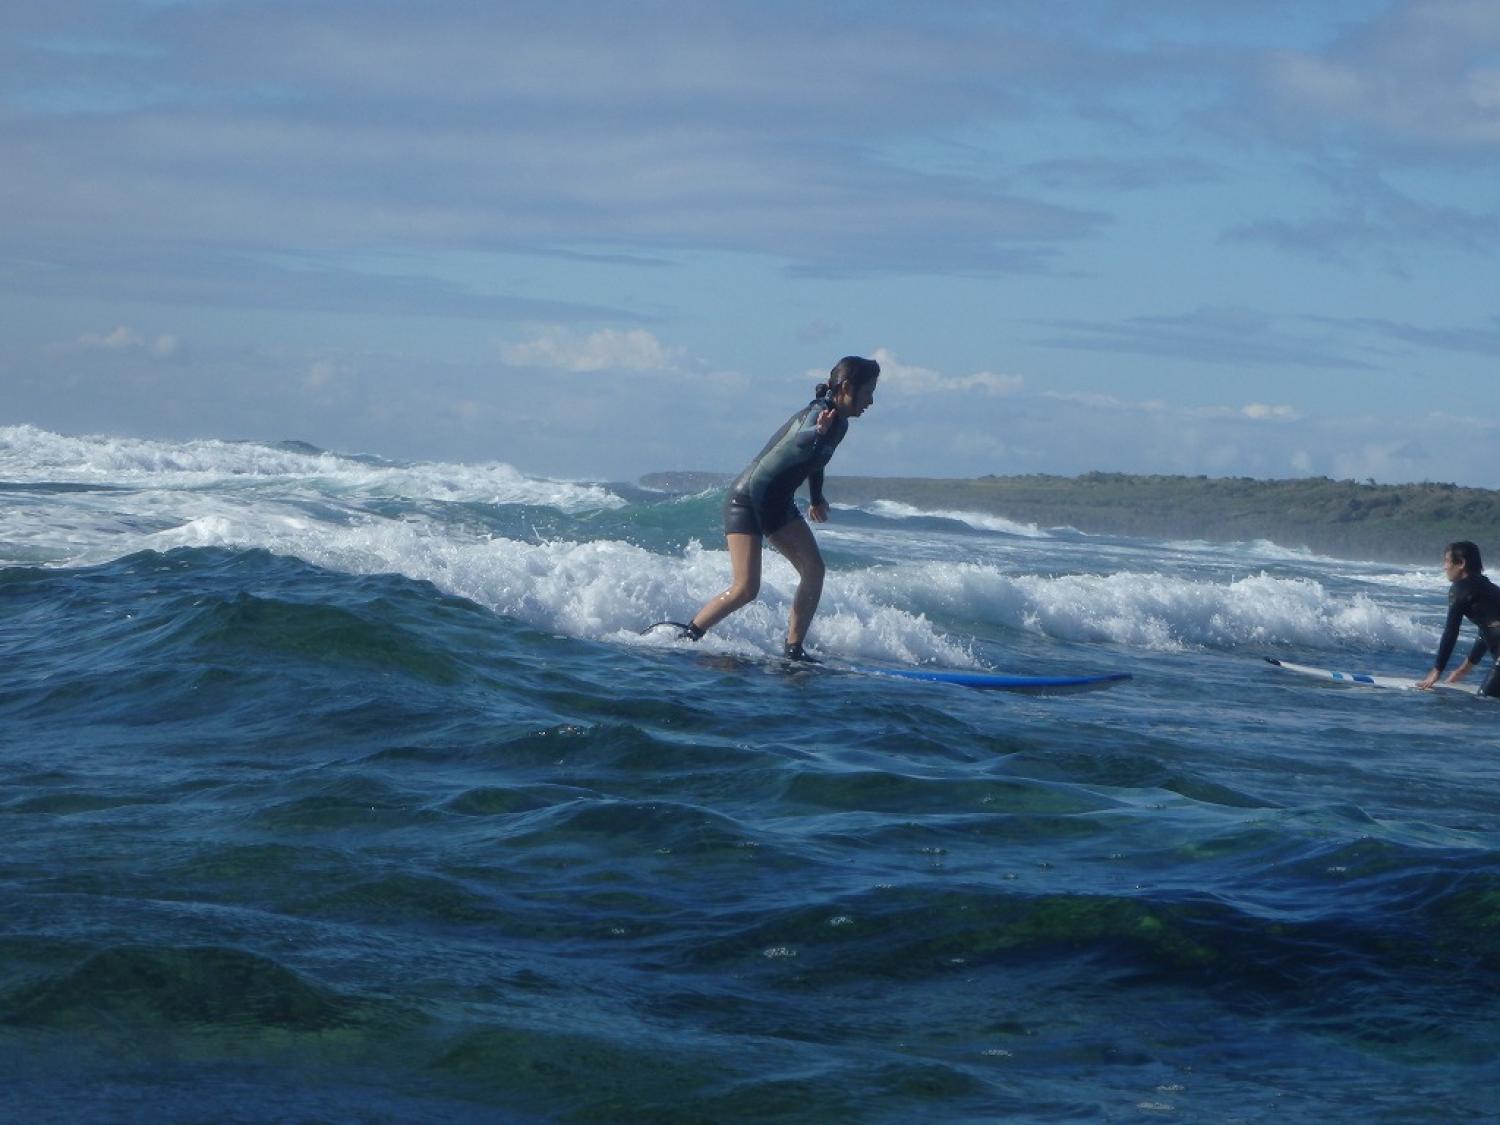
(1484, 89)
(1318, 84)
(1221, 458)
(1441, 420)
(1253, 411)
(1418, 72)
(323, 374)
(125, 339)
(1097, 401)
(1261, 412)
(903, 378)
(121, 339)
(1394, 460)
(608, 349)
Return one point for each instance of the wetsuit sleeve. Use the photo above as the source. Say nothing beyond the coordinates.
(1450, 635)
(815, 487)
(821, 440)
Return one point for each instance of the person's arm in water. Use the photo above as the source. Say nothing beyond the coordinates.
(1445, 649)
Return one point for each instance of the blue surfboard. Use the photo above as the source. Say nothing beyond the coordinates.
(982, 681)
(998, 681)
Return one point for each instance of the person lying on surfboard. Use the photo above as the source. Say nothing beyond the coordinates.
(1474, 596)
(759, 505)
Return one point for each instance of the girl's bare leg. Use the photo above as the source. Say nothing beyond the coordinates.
(744, 561)
(797, 543)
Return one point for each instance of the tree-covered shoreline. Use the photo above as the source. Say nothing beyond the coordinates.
(1342, 518)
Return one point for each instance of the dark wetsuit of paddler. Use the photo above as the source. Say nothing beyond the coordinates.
(1472, 595)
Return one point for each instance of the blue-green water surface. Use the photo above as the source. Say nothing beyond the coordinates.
(333, 790)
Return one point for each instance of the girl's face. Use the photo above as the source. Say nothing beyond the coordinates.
(852, 401)
(1453, 568)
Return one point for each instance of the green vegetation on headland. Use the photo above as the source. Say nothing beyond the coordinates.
(1342, 518)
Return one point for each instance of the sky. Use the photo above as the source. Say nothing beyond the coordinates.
(593, 240)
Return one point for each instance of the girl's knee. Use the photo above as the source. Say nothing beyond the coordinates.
(811, 572)
(743, 593)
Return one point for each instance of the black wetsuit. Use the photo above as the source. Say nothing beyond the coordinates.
(760, 499)
(1477, 598)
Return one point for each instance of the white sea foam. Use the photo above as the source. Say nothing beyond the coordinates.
(1418, 580)
(1157, 611)
(907, 597)
(602, 589)
(29, 455)
(1263, 549)
(980, 521)
(606, 589)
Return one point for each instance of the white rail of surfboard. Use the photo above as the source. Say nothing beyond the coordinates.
(1364, 679)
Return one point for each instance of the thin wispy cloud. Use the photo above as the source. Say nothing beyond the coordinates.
(1367, 216)
(532, 129)
(559, 349)
(1248, 412)
(1478, 340)
(1421, 74)
(1221, 337)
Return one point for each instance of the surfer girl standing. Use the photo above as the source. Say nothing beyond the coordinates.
(760, 505)
(1474, 596)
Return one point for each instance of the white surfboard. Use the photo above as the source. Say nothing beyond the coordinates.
(1364, 679)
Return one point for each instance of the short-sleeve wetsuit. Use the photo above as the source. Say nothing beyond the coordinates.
(1474, 596)
(760, 499)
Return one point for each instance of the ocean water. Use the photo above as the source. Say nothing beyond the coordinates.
(337, 789)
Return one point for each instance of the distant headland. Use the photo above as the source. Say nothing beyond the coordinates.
(1409, 523)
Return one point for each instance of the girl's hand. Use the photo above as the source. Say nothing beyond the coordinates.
(818, 513)
(1428, 680)
(825, 420)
